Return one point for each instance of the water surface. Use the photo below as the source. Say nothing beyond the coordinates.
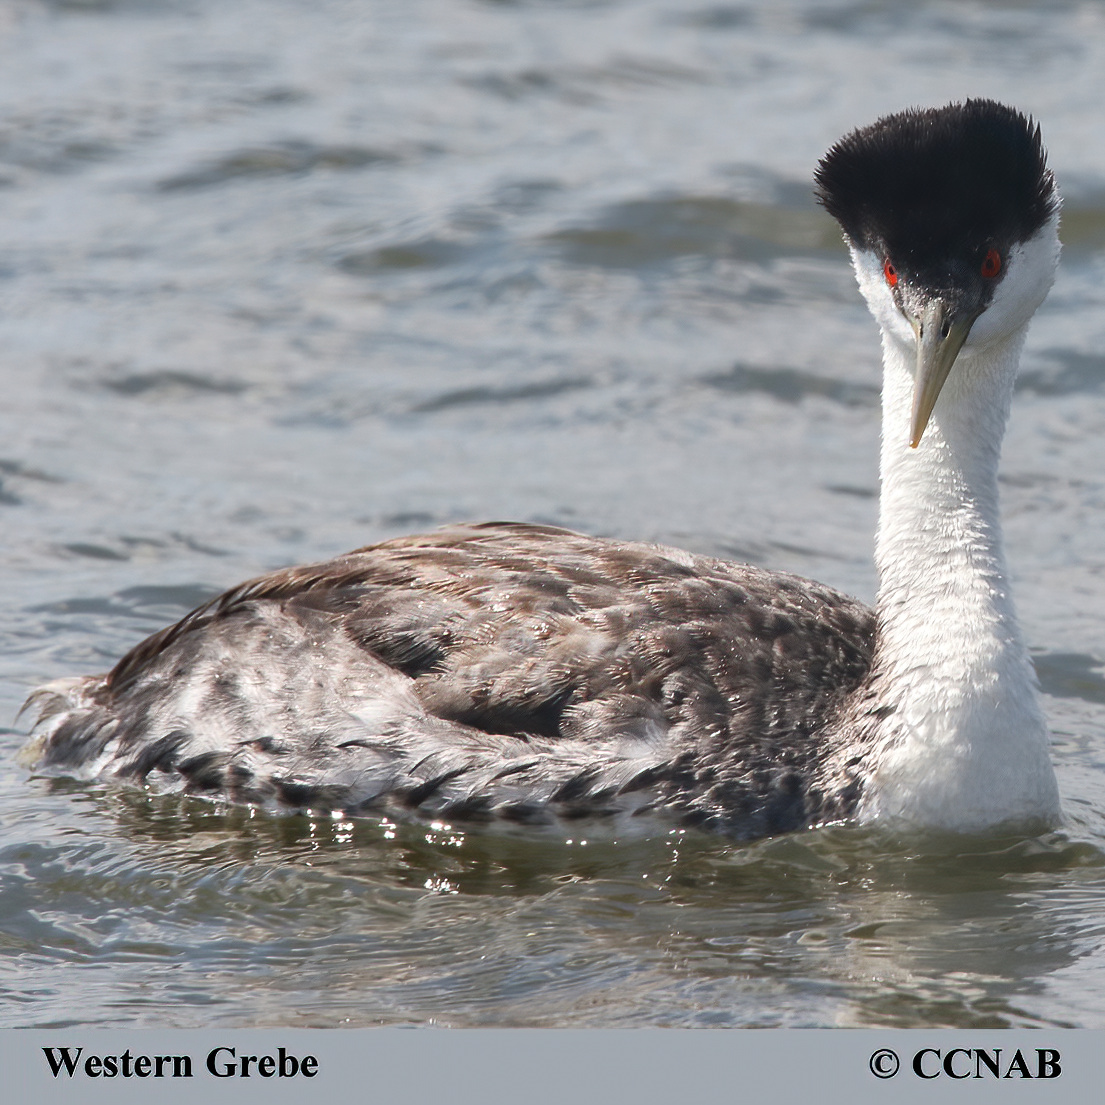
(281, 279)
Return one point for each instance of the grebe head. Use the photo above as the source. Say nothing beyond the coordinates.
(952, 218)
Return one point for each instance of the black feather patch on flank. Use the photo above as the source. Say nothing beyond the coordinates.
(160, 754)
(205, 772)
(925, 184)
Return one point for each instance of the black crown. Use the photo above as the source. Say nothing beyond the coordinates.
(926, 184)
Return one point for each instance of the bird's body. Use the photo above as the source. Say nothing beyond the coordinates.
(534, 674)
(517, 671)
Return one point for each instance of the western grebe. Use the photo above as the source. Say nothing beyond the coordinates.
(533, 674)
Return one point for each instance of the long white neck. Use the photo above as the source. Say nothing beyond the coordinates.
(964, 743)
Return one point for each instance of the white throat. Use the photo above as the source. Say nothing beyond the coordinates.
(965, 745)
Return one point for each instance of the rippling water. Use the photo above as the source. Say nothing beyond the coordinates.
(279, 279)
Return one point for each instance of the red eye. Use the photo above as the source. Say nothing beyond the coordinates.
(991, 264)
(890, 272)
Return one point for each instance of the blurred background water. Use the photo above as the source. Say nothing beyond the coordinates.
(280, 278)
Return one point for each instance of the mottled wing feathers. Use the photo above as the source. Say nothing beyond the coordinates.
(498, 670)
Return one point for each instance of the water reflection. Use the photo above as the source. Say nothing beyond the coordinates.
(399, 923)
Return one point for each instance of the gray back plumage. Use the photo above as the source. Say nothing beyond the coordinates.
(497, 670)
